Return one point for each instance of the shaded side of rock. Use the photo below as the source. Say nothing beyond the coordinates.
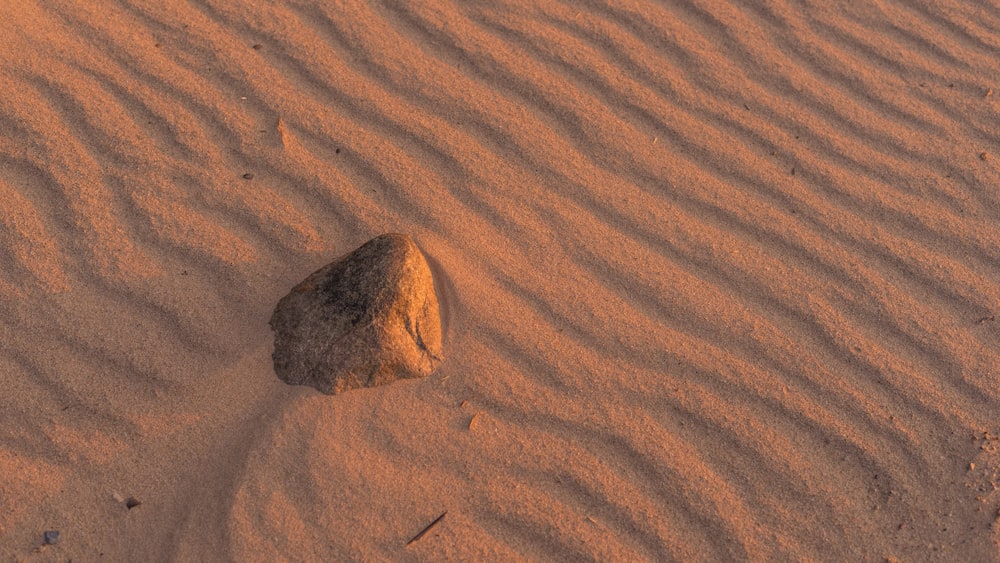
(367, 319)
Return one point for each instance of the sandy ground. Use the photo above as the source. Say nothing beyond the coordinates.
(721, 279)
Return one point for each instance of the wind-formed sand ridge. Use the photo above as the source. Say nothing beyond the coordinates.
(721, 279)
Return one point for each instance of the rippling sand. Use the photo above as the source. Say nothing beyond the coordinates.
(721, 279)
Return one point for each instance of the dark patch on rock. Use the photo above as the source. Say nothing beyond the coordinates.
(367, 319)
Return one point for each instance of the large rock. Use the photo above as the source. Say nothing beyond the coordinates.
(367, 319)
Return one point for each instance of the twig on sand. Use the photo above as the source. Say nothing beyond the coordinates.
(427, 529)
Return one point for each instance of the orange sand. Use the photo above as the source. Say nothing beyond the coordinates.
(721, 278)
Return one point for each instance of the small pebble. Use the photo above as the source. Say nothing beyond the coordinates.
(248, 176)
(51, 537)
(131, 503)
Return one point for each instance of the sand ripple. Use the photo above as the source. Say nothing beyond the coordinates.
(721, 278)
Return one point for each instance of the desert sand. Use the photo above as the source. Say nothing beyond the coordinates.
(720, 280)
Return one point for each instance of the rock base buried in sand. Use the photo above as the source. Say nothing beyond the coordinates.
(367, 319)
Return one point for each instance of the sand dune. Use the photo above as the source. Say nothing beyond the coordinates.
(720, 279)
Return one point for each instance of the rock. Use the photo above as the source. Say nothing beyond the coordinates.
(51, 537)
(367, 319)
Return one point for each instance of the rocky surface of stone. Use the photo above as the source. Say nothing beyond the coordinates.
(366, 319)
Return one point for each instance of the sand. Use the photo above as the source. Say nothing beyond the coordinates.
(720, 279)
